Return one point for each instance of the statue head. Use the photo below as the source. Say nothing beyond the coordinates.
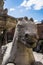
(1, 3)
(27, 32)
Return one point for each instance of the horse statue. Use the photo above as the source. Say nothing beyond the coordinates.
(19, 51)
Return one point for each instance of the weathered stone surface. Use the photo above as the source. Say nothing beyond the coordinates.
(20, 51)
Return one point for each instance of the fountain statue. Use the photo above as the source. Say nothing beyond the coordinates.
(2, 10)
(1, 4)
(19, 52)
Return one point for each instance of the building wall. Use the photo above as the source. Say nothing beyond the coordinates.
(40, 30)
(6, 23)
(9, 23)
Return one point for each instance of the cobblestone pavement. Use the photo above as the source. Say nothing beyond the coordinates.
(38, 57)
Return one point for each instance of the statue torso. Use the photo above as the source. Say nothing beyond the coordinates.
(24, 55)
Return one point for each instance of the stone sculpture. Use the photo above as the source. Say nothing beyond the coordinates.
(19, 52)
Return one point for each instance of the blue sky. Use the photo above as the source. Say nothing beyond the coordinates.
(29, 8)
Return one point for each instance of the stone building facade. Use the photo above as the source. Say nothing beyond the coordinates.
(6, 22)
(40, 30)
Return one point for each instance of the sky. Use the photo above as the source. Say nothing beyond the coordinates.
(29, 8)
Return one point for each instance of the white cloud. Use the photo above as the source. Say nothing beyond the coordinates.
(36, 21)
(21, 10)
(12, 9)
(38, 4)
